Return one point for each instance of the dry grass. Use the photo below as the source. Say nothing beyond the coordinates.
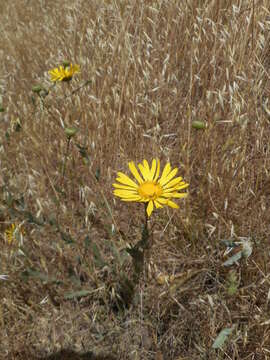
(149, 69)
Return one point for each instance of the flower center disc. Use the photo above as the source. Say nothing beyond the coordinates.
(149, 190)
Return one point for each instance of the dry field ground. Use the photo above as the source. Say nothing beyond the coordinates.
(182, 81)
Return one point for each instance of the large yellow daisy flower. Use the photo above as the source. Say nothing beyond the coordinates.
(64, 73)
(149, 188)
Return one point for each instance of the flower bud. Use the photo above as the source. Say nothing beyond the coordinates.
(70, 132)
(198, 125)
(37, 89)
(66, 63)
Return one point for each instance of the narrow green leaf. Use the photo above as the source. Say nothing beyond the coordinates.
(97, 256)
(35, 274)
(83, 151)
(66, 237)
(87, 242)
(77, 294)
(222, 337)
(32, 219)
(232, 283)
(52, 220)
(73, 277)
(114, 251)
(97, 174)
(233, 259)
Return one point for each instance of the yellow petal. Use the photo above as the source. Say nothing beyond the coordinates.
(146, 165)
(150, 208)
(174, 195)
(157, 171)
(174, 189)
(165, 172)
(167, 178)
(153, 169)
(135, 172)
(75, 68)
(138, 198)
(162, 200)
(180, 195)
(125, 193)
(119, 186)
(157, 204)
(124, 179)
(172, 204)
(54, 75)
(172, 183)
(181, 186)
(144, 171)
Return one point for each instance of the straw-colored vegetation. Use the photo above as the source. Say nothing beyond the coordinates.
(186, 82)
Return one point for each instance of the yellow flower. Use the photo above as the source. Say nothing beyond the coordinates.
(148, 188)
(64, 73)
(11, 233)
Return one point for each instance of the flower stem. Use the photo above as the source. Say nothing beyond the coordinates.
(65, 159)
(137, 252)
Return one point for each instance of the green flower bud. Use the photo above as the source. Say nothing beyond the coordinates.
(70, 132)
(198, 125)
(37, 89)
(66, 64)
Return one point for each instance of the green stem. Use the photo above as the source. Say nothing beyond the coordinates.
(137, 252)
(65, 159)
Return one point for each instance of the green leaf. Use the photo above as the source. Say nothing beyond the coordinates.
(233, 259)
(232, 283)
(60, 191)
(229, 243)
(52, 220)
(119, 257)
(232, 289)
(66, 237)
(9, 199)
(222, 337)
(33, 100)
(97, 174)
(247, 248)
(97, 256)
(77, 294)
(35, 274)
(83, 151)
(32, 219)
(87, 242)
(73, 277)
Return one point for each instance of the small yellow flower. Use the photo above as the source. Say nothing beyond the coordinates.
(148, 188)
(64, 73)
(10, 233)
